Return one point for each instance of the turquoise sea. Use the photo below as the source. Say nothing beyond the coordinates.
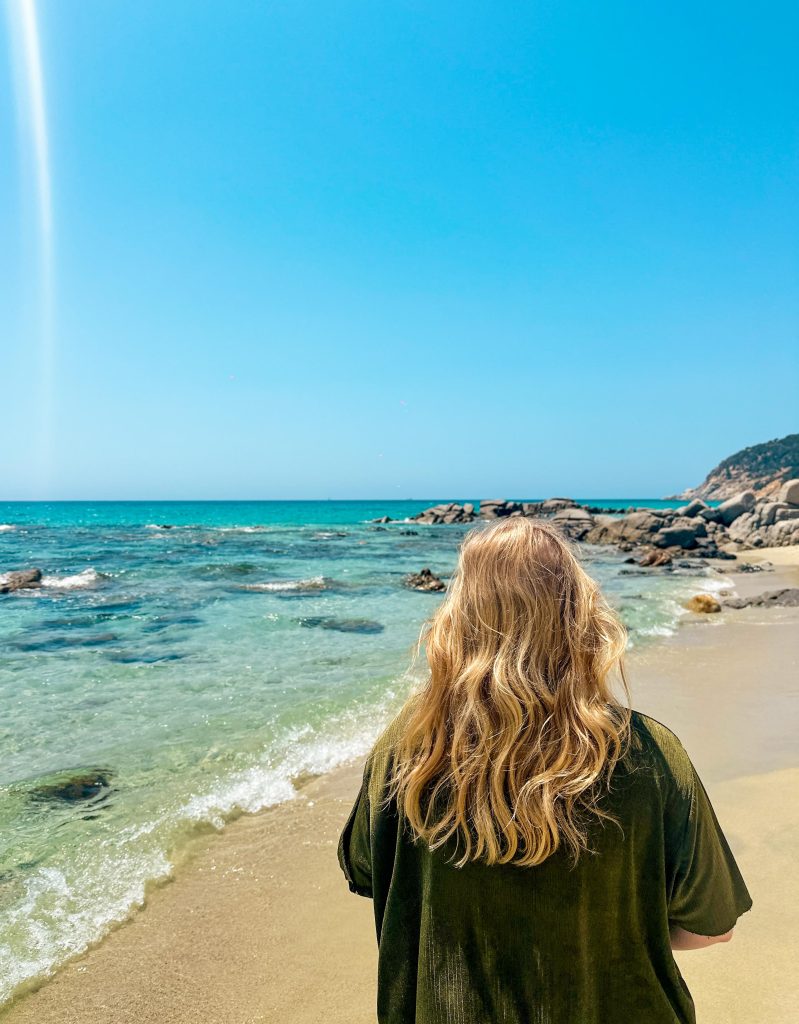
(197, 659)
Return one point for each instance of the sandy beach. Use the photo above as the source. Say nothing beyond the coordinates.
(258, 925)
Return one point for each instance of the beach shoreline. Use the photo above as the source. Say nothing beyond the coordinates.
(257, 923)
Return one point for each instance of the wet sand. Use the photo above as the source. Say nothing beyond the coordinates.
(259, 926)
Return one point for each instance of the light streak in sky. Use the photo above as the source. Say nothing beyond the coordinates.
(32, 118)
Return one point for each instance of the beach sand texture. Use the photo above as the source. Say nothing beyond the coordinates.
(258, 924)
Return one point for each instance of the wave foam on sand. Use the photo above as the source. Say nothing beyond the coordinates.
(59, 916)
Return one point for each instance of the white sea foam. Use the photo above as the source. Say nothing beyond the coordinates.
(312, 583)
(54, 919)
(304, 751)
(657, 631)
(240, 529)
(57, 915)
(80, 581)
(7, 527)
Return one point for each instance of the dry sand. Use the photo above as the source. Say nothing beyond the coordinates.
(259, 925)
(779, 556)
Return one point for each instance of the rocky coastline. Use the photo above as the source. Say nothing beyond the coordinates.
(654, 536)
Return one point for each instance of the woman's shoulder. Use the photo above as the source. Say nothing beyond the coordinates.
(387, 741)
(664, 747)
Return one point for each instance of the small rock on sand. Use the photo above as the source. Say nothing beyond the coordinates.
(706, 604)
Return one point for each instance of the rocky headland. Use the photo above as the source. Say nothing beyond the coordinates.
(762, 468)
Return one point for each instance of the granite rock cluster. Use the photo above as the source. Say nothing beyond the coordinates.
(744, 521)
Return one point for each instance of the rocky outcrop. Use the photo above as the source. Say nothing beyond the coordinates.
(494, 508)
(767, 524)
(445, 513)
(763, 468)
(425, 579)
(25, 579)
(656, 535)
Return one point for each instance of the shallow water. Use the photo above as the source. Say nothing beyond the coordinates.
(185, 660)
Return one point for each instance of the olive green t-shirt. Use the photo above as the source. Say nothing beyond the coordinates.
(555, 943)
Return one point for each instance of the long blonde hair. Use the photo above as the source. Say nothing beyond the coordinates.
(516, 732)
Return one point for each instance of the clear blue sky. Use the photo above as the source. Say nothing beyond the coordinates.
(364, 249)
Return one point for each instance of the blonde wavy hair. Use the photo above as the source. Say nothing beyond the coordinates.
(512, 740)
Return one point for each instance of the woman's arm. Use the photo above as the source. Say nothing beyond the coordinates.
(681, 939)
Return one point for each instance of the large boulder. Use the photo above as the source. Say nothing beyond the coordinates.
(490, 508)
(575, 523)
(693, 508)
(743, 527)
(730, 509)
(789, 492)
(634, 528)
(498, 508)
(574, 514)
(768, 511)
(553, 505)
(682, 533)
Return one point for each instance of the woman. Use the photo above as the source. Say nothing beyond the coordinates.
(534, 850)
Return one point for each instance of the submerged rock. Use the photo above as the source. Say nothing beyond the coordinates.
(65, 641)
(130, 658)
(24, 579)
(425, 579)
(342, 625)
(93, 785)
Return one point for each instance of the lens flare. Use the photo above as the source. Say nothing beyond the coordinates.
(32, 111)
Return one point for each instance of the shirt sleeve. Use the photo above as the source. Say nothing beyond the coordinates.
(709, 894)
(354, 847)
